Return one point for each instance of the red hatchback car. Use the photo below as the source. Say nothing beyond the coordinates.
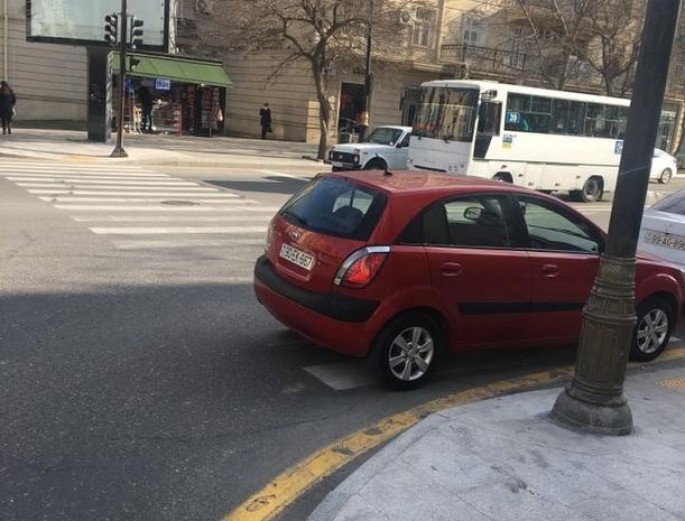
(400, 265)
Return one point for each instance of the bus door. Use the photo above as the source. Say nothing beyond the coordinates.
(489, 122)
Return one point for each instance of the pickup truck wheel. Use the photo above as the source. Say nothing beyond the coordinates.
(376, 164)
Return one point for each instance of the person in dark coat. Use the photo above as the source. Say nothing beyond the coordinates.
(7, 102)
(146, 104)
(265, 119)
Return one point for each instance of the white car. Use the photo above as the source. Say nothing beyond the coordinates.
(663, 166)
(384, 148)
(663, 229)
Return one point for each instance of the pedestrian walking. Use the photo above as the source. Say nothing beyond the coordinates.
(7, 102)
(265, 119)
(146, 103)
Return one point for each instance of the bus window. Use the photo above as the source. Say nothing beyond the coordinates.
(446, 113)
(489, 116)
(576, 118)
(560, 116)
(595, 124)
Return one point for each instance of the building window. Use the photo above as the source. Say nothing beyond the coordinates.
(424, 27)
(474, 32)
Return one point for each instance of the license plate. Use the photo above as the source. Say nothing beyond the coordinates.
(670, 241)
(339, 164)
(297, 257)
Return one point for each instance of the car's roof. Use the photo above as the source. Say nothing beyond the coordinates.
(413, 181)
(398, 127)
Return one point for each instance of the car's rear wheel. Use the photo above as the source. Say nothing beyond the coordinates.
(403, 356)
(665, 176)
(376, 164)
(653, 329)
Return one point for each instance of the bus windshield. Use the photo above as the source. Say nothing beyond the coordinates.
(446, 113)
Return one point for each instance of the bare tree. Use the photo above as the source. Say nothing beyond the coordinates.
(602, 34)
(328, 35)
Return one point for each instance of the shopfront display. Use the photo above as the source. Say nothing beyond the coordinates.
(189, 99)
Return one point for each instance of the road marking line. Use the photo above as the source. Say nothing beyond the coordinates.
(127, 189)
(172, 218)
(179, 243)
(205, 198)
(33, 183)
(160, 208)
(178, 230)
(291, 484)
(280, 174)
(341, 376)
(203, 192)
(69, 173)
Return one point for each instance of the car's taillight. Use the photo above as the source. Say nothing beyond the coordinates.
(269, 236)
(360, 268)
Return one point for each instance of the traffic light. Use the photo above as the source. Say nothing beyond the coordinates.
(133, 62)
(136, 33)
(111, 28)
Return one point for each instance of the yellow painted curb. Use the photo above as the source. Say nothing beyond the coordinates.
(287, 487)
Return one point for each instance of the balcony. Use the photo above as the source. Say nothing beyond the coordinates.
(491, 60)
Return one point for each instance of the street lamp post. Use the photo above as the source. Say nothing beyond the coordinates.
(594, 401)
(366, 113)
(123, 37)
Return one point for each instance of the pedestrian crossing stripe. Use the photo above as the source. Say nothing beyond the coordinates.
(253, 217)
(159, 208)
(209, 198)
(32, 183)
(210, 192)
(168, 230)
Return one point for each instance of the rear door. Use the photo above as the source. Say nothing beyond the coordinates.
(319, 227)
(480, 275)
(564, 250)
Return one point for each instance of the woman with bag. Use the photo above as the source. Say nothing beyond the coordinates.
(7, 102)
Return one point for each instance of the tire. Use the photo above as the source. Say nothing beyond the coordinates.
(501, 176)
(655, 322)
(396, 362)
(592, 191)
(665, 176)
(376, 164)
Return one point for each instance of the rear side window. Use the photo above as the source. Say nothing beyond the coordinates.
(335, 206)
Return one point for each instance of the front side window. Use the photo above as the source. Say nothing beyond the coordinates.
(446, 113)
(335, 206)
(385, 136)
(550, 228)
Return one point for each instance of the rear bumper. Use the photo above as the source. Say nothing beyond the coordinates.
(331, 320)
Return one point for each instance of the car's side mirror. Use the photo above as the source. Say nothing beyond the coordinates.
(473, 213)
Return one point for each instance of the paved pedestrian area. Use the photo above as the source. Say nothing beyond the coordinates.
(158, 149)
(506, 460)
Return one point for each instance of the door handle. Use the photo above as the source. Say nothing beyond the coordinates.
(450, 269)
(550, 270)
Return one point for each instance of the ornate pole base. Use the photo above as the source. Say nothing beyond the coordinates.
(594, 401)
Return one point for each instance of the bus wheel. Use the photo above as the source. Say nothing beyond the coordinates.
(504, 177)
(592, 191)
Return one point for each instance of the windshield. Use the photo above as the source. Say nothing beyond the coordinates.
(446, 113)
(385, 136)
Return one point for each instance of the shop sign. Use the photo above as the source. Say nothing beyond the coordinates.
(162, 84)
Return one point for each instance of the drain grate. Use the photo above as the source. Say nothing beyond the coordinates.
(179, 203)
(673, 384)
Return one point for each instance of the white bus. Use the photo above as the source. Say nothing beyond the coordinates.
(543, 139)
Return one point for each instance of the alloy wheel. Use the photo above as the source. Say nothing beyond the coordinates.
(411, 354)
(652, 331)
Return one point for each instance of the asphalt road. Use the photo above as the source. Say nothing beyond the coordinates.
(139, 378)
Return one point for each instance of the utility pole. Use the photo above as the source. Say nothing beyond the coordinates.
(123, 37)
(594, 402)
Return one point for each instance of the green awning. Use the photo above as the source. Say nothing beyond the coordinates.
(175, 69)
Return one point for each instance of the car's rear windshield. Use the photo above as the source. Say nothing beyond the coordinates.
(336, 206)
(674, 203)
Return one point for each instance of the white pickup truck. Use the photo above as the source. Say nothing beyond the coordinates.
(384, 148)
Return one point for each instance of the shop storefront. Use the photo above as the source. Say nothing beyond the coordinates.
(171, 94)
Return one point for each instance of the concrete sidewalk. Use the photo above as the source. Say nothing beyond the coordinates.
(505, 460)
(66, 145)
